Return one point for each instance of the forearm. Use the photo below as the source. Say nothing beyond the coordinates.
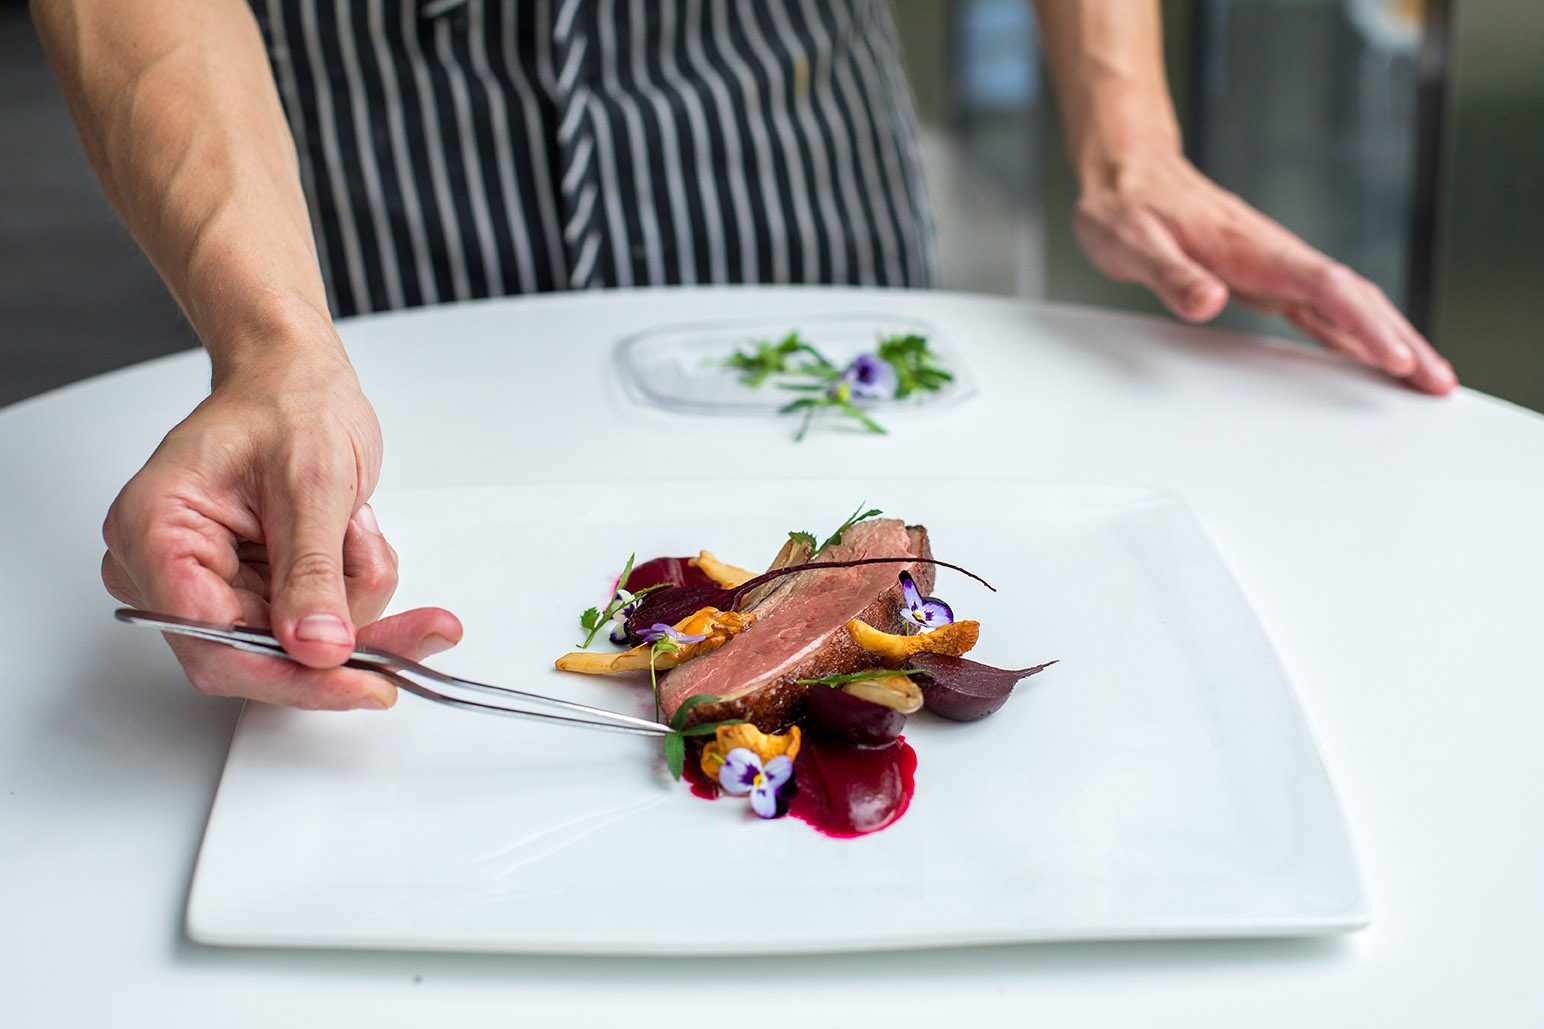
(1106, 61)
(179, 115)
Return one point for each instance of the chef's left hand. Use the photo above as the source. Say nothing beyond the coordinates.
(1158, 221)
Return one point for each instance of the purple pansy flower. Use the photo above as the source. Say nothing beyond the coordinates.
(770, 785)
(659, 631)
(870, 377)
(925, 613)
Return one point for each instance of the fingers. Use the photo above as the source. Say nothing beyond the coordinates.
(1325, 299)
(1186, 289)
(1431, 374)
(1136, 247)
(305, 525)
(369, 567)
(220, 671)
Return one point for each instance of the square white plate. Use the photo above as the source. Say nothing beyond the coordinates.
(1159, 782)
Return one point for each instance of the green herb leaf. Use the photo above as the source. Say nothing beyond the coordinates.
(916, 367)
(675, 755)
(678, 722)
(807, 538)
(595, 619)
(709, 728)
(836, 537)
(769, 359)
(872, 673)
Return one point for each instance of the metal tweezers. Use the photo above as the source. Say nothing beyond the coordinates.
(398, 668)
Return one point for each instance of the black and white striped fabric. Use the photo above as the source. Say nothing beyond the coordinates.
(455, 149)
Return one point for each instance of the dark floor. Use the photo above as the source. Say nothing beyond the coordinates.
(76, 295)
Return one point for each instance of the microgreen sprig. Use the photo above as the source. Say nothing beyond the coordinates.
(836, 537)
(864, 676)
(916, 367)
(667, 640)
(675, 743)
(594, 619)
(839, 398)
(901, 366)
(769, 359)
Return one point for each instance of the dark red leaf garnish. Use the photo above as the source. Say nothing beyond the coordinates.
(963, 690)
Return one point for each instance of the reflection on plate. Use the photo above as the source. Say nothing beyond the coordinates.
(1162, 783)
(681, 367)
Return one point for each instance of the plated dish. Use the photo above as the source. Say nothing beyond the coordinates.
(803, 673)
(1159, 782)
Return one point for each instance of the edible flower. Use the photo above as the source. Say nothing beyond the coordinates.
(770, 785)
(871, 377)
(660, 631)
(625, 604)
(764, 745)
(926, 613)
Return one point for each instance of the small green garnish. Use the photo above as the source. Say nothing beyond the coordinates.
(836, 537)
(769, 359)
(872, 673)
(916, 370)
(595, 619)
(675, 743)
(916, 367)
(839, 399)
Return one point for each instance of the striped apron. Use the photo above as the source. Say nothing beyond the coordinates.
(455, 149)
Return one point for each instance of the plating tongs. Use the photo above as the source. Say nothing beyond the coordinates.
(398, 668)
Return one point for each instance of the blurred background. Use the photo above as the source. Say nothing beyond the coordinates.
(1405, 138)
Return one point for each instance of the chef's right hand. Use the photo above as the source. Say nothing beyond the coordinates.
(253, 511)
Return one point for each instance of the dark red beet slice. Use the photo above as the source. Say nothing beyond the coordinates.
(672, 570)
(837, 715)
(964, 690)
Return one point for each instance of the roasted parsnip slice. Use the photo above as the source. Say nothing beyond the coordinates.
(718, 626)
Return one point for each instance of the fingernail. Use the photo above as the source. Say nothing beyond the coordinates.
(434, 643)
(373, 703)
(365, 516)
(323, 629)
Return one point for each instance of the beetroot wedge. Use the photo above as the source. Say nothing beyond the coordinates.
(963, 690)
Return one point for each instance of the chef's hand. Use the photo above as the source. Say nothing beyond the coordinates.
(1159, 222)
(252, 511)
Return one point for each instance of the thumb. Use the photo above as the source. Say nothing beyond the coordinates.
(309, 597)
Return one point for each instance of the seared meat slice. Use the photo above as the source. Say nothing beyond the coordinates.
(801, 631)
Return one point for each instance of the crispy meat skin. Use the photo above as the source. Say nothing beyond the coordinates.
(801, 632)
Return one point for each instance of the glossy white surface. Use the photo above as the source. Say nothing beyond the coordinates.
(1389, 541)
(1157, 782)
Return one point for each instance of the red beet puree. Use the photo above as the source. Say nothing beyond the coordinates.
(844, 790)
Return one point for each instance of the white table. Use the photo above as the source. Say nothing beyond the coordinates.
(1392, 544)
